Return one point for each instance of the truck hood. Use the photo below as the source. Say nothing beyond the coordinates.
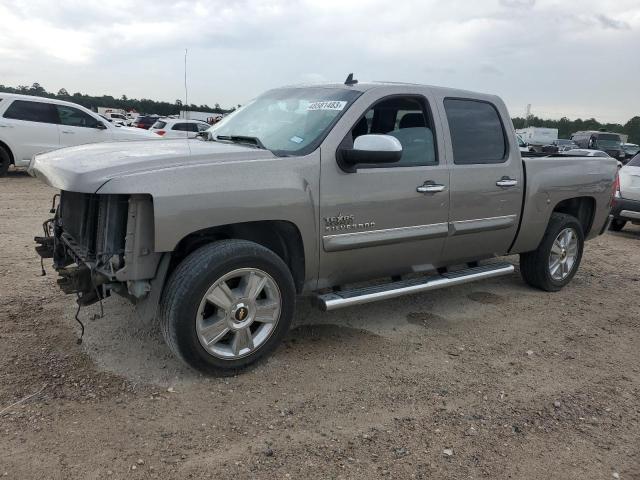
(87, 167)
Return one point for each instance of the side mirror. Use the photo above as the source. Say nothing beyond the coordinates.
(101, 126)
(372, 148)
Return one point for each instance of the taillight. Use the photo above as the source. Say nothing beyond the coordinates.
(616, 190)
(160, 132)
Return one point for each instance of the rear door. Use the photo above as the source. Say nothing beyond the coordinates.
(380, 220)
(486, 179)
(32, 127)
(78, 127)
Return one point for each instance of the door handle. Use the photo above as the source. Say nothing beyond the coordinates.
(430, 187)
(506, 182)
(67, 131)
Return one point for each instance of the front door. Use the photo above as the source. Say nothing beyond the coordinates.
(381, 220)
(78, 127)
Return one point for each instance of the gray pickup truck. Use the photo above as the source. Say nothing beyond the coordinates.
(314, 190)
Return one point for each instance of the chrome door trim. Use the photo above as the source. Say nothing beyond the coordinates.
(462, 227)
(373, 238)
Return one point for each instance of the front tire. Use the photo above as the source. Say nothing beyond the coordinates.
(226, 306)
(5, 162)
(617, 225)
(556, 260)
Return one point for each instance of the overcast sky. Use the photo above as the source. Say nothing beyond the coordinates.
(578, 58)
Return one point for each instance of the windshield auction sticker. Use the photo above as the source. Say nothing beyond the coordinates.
(328, 105)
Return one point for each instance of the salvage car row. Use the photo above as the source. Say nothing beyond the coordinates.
(30, 125)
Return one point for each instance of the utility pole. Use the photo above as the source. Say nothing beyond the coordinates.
(527, 115)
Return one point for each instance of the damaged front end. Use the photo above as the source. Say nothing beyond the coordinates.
(101, 243)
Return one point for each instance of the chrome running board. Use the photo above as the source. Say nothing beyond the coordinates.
(358, 296)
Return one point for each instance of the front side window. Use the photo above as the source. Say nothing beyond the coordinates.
(287, 121)
(32, 111)
(406, 119)
(476, 132)
(73, 117)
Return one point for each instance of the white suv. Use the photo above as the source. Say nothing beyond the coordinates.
(30, 125)
(178, 127)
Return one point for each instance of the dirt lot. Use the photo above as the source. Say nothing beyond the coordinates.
(487, 380)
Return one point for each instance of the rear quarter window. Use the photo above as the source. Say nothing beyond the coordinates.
(477, 133)
(159, 124)
(634, 162)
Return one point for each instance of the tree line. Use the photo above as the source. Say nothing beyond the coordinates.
(142, 105)
(565, 126)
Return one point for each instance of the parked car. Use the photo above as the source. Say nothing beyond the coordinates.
(626, 203)
(145, 121)
(522, 145)
(178, 128)
(630, 150)
(30, 125)
(117, 118)
(596, 140)
(563, 144)
(307, 190)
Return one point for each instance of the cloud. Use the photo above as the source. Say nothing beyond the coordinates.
(526, 50)
(608, 22)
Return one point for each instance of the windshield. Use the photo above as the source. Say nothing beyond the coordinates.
(608, 140)
(288, 121)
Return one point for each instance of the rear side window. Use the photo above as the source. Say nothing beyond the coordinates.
(635, 161)
(32, 111)
(185, 127)
(476, 131)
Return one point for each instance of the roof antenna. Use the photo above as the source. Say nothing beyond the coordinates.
(350, 80)
(186, 98)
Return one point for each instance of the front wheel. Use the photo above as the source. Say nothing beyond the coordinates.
(227, 305)
(556, 260)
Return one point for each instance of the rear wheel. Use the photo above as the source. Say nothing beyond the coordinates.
(5, 161)
(554, 263)
(617, 225)
(227, 305)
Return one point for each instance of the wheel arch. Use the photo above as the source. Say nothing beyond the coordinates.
(280, 236)
(6, 147)
(582, 208)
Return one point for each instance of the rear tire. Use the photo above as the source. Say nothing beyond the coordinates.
(5, 162)
(553, 264)
(617, 225)
(226, 306)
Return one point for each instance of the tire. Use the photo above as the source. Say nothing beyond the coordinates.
(5, 161)
(536, 267)
(617, 225)
(196, 307)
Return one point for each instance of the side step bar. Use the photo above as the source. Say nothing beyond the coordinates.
(358, 296)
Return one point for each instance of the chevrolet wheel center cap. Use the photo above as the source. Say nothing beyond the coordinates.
(241, 313)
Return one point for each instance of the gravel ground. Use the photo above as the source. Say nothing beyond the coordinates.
(485, 380)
